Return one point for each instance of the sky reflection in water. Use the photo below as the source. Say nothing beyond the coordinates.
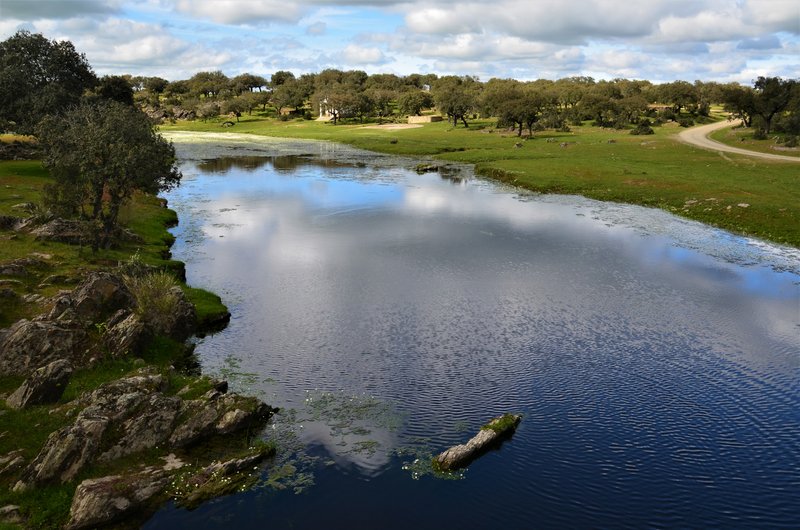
(655, 359)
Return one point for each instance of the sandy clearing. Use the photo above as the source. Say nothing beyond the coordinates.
(698, 136)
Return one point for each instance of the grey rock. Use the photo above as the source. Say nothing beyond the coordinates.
(126, 335)
(62, 231)
(495, 431)
(223, 415)
(70, 449)
(65, 453)
(10, 514)
(13, 269)
(45, 385)
(11, 462)
(101, 294)
(29, 345)
(149, 428)
(101, 501)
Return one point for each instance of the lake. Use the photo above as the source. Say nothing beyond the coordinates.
(390, 314)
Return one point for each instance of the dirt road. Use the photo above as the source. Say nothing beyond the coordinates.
(698, 136)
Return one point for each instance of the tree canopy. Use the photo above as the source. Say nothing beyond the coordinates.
(39, 77)
(99, 153)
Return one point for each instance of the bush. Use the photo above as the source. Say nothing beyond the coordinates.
(759, 134)
(790, 141)
(686, 122)
(667, 115)
(156, 298)
(643, 128)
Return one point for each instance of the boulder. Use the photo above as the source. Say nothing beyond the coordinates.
(126, 335)
(62, 231)
(100, 295)
(489, 436)
(45, 385)
(29, 345)
(150, 427)
(101, 501)
(8, 222)
(223, 414)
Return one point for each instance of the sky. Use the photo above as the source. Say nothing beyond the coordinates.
(656, 40)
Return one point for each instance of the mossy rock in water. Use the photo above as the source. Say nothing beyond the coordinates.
(489, 436)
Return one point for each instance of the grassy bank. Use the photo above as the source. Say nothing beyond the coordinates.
(603, 164)
(743, 139)
(22, 182)
(62, 267)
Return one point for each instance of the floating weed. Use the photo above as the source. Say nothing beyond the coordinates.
(418, 463)
(350, 416)
(231, 371)
(292, 467)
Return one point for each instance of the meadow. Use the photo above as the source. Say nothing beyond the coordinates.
(737, 193)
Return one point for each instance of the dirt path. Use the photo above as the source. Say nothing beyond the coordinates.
(698, 136)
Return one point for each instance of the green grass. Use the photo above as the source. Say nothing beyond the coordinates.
(23, 182)
(211, 312)
(743, 139)
(655, 170)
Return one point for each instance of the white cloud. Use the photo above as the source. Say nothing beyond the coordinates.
(241, 11)
(354, 54)
(655, 39)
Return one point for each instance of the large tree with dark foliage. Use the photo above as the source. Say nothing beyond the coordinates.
(456, 97)
(99, 153)
(772, 96)
(39, 77)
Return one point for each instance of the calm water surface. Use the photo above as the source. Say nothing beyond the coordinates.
(655, 361)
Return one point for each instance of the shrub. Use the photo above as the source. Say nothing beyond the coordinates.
(759, 134)
(156, 298)
(791, 141)
(685, 122)
(643, 128)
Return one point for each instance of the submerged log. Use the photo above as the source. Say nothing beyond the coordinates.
(490, 435)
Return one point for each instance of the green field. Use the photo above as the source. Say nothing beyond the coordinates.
(737, 193)
(743, 139)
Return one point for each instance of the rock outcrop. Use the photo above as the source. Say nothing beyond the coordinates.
(29, 345)
(489, 436)
(126, 334)
(45, 385)
(62, 231)
(133, 414)
(101, 501)
(100, 295)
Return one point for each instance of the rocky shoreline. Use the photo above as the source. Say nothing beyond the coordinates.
(124, 442)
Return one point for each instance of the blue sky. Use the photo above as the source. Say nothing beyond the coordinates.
(658, 40)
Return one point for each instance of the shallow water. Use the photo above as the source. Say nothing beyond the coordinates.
(655, 360)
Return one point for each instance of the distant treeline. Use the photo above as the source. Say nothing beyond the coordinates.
(27, 91)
